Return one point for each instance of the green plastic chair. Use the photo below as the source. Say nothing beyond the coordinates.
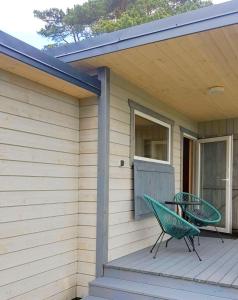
(172, 224)
(201, 213)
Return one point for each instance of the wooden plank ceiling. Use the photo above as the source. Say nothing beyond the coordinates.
(180, 71)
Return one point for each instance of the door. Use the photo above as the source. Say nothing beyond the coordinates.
(215, 177)
(188, 163)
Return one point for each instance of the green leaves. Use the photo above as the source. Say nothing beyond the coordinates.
(55, 27)
(98, 16)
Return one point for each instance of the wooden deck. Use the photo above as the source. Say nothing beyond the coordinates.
(219, 263)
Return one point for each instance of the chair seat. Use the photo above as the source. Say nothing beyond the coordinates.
(178, 231)
(203, 214)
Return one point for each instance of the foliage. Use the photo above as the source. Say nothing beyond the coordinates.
(97, 16)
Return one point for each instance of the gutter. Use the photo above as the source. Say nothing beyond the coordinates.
(31, 56)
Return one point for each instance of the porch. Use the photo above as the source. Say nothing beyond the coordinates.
(175, 274)
(219, 265)
(165, 85)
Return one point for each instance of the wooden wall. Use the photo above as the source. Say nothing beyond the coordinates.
(44, 240)
(223, 128)
(125, 234)
(88, 122)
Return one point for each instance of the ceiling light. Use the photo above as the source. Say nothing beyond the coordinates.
(216, 90)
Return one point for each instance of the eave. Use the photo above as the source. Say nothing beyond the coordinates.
(203, 19)
(19, 57)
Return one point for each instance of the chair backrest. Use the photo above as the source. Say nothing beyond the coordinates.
(170, 222)
(186, 197)
(209, 213)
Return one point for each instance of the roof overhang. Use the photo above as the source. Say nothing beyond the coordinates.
(203, 19)
(31, 63)
(175, 60)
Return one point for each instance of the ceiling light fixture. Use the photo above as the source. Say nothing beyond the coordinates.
(216, 90)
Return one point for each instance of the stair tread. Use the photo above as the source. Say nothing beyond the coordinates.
(171, 282)
(152, 290)
(94, 298)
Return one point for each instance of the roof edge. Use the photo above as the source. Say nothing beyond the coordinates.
(199, 20)
(34, 57)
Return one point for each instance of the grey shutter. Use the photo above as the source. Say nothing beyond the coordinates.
(155, 180)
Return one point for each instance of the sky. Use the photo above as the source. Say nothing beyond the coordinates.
(17, 19)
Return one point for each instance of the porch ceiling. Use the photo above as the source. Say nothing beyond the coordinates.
(179, 71)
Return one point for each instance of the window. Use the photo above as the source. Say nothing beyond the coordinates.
(152, 139)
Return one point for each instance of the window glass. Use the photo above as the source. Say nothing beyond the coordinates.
(151, 139)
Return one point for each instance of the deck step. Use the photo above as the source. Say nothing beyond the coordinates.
(94, 298)
(179, 284)
(117, 289)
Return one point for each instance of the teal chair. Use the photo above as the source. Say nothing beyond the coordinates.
(201, 213)
(172, 224)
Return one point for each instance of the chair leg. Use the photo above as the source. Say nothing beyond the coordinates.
(163, 233)
(192, 244)
(151, 250)
(219, 235)
(198, 240)
(166, 245)
(187, 244)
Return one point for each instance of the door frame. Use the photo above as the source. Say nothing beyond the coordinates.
(229, 165)
(194, 139)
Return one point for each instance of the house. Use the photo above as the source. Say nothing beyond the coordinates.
(82, 130)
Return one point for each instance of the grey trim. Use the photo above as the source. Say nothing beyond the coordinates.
(103, 171)
(132, 135)
(31, 56)
(136, 106)
(150, 112)
(181, 160)
(188, 131)
(203, 19)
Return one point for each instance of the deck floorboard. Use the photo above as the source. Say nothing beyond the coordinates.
(219, 263)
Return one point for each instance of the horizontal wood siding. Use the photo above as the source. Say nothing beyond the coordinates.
(39, 191)
(222, 128)
(125, 234)
(88, 124)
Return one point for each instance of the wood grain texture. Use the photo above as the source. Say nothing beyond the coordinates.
(41, 236)
(87, 206)
(179, 71)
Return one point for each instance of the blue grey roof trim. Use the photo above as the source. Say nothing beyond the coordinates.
(203, 19)
(25, 53)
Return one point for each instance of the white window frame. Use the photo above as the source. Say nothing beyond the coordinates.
(162, 123)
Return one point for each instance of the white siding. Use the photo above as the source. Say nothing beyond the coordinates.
(87, 194)
(125, 234)
(39, 191)
(48, 187)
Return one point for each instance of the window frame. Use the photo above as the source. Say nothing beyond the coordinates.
(162, 123)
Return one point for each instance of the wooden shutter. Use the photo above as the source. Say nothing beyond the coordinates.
(155, 180)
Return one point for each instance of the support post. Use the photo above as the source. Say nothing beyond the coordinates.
(103, 171)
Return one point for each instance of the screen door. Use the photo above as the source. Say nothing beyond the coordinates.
(215, 177)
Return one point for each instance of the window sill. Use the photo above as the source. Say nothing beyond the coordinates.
(152, 160)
